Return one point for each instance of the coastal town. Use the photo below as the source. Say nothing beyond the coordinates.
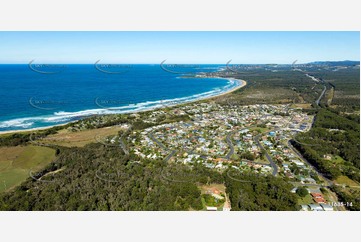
(251, 139)
(212, 142)
(179, 121)
(229, 138)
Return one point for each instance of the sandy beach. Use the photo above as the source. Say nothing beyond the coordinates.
(35, 129)
(242, 83)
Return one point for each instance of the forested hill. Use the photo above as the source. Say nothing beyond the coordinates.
(98, 177)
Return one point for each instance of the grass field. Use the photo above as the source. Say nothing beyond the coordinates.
(301, 105)
(219, 187)
(305, 200)
(209, 189)
(16, 162)
(79, 139)
(337, 159)
(263, 161)
(345, 180)
(261, 130)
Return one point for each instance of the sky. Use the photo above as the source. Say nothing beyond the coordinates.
(178, 47)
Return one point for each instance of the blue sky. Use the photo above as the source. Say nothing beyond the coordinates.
(178, 47)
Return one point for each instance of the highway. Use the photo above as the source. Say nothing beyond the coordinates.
(323, 91)
(319, 98)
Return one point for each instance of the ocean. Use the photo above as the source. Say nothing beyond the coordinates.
(42, 95)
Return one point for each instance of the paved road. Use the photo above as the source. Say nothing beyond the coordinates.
(122, 144)
(256, 139)
(323, 91)
(332, 196)
(258, 163)
(300, 184)
(269, 158)
(329, 182)
(157, 141)
(319, 98)
(231, 152)
(229, 142)
(168, 157)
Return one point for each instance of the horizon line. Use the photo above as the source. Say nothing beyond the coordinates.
(171, 63)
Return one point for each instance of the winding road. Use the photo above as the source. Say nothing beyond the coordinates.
(269, 158)
(231, 147)
(256, 139)
(168, 157)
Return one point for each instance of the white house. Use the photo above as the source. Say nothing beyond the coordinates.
(211, 208)
(304, 208)
(327, 207)
(315, 207)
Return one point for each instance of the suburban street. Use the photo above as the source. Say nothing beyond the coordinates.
(269, 158)
(329, 182)
(231, 147)
(151, 136)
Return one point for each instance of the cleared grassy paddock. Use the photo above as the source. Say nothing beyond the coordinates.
(346, 181)
(16, 162)
(81, 138)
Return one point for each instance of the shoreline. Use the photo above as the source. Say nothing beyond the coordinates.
(242, 83)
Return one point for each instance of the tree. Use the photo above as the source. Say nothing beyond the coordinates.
(302, 192)
(263, 153)
(323, 190)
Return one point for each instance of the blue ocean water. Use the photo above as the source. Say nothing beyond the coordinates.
(38, 95)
